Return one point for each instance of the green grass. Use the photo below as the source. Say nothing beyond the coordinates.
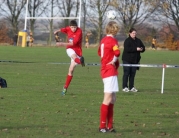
(32, 107)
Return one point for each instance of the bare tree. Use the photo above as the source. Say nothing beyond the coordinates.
(133, 12)
(51, 22)
(96, 15)
(4, 37)
(84, 18)
(170, 10)
(68, 8)
(11, 10)
(35, 9)
(51, 5)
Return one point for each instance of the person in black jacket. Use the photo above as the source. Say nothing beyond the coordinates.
(133, 46)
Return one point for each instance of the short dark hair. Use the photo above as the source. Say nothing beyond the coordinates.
(131, 30)
(73, 23)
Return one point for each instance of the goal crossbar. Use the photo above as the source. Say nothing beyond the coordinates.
(52, 17)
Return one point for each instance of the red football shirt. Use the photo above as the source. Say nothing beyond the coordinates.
(107, 50)
(76, 37)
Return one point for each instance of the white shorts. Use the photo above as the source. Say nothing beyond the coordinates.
(71, 52)
(111, 84)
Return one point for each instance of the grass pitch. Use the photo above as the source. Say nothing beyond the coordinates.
(32, 107)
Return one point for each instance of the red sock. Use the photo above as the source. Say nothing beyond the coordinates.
(103, 115)
(77, 60)
(68, 80)
(110, 115)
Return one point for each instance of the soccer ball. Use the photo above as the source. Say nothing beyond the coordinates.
(111, 15)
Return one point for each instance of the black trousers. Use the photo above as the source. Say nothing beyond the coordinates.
(128, 75)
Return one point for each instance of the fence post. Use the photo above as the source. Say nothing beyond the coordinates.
(163, 75)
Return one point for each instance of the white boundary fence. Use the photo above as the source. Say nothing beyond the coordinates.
(164, 66)
(154, 66)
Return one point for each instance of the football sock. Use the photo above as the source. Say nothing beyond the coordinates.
(103, 115)
(110, 116)
(68, 80)
(77, 60)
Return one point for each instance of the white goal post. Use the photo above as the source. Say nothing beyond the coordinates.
(26, 17)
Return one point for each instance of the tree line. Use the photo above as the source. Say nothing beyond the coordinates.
(158, 18)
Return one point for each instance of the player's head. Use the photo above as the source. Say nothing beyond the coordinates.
(73, 25)
(112, 28)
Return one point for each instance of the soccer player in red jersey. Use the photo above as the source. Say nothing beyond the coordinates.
(73, 49)
(109, 53)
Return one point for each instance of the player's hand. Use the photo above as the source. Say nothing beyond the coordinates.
(112, 63)
(59, 44)
(115, 64)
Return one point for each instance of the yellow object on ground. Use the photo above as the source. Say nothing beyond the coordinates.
(22, 39)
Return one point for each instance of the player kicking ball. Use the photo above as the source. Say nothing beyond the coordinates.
(73, 49)
(109, 53)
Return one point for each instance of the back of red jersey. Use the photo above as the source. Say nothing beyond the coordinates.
(107, 49)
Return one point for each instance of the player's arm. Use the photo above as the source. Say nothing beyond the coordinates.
(116, 52)
(64, 43)
(57, 31)
(63, 30)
